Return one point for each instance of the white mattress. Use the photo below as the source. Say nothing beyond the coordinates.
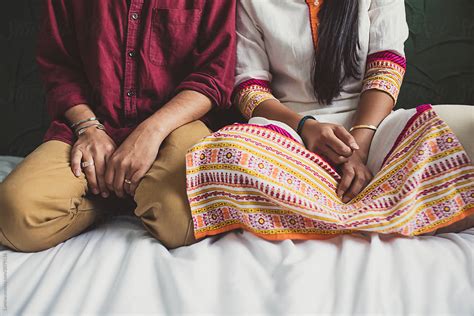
(119, 269)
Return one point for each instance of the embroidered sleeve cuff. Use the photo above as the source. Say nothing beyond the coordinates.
(250, 94)
(385, 72)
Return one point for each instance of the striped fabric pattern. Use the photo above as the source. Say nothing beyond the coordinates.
(385, 72)
(279, 130)
(254, 178)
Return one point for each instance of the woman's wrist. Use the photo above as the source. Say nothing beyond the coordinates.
(275, 110)
(363, 138)
(306, 130)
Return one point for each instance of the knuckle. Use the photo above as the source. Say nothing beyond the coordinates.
(340, 159)
(350, 172)
(326, 134)
(89, 173)
(339, 128)
(123, 163)
(137, 177)
(346, 153)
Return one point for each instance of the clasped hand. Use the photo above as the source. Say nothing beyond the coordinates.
(109, 168)
(340, 148)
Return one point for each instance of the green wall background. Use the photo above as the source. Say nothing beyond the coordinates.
(440, 53)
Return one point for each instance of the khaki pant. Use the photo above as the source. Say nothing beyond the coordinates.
(43, 204)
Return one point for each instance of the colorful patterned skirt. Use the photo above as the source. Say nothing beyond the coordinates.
(263, 181)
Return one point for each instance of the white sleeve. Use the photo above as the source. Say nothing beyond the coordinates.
(388, 26)
(252, 59)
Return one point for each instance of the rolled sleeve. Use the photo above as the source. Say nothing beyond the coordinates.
(214, 57)
(59, 61)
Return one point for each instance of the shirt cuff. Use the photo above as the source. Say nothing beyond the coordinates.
(206, 85)
(64, 97)
(250, 94)
(385, 72)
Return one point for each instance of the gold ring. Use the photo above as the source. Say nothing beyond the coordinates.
(127, 181)
(86, 164)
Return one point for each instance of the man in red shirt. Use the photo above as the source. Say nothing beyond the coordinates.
(129, 85)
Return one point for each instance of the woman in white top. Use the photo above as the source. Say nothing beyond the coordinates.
(351, 57)
(319, 77)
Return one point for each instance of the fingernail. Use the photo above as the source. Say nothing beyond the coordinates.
(355, 146)
(105, 195)
(346, 199)
(77, 173)
(95, 191)
(339, 193)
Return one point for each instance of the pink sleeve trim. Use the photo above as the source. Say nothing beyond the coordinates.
(385, 72)
(250, 94)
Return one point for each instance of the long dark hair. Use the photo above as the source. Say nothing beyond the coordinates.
(336, 57)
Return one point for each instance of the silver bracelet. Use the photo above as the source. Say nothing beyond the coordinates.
(81, 130)
(84, 121)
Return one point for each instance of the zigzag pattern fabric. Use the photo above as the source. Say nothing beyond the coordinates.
(254, 178)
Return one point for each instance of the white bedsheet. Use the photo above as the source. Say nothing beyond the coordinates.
(118, 269)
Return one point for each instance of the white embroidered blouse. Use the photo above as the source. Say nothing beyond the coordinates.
(275, 54)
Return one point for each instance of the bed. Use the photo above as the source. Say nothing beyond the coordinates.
(118, 269)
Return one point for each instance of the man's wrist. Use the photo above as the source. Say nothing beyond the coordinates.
(91, 130)
(156, 128)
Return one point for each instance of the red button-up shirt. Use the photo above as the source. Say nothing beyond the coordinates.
(127, 62)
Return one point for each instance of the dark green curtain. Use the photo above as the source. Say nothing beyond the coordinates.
(440, 55)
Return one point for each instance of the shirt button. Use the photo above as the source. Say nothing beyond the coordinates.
(134, 16)
(131, 93)
(131, 53)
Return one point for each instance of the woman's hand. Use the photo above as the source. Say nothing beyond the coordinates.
(329, 140)
(131, 161)
(374, 106)
(93, 148)
(355, 177)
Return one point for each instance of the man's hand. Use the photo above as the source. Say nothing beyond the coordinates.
(329, 140)
(131, 161)
(94, 148)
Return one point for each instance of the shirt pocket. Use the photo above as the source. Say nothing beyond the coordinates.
(173, 35)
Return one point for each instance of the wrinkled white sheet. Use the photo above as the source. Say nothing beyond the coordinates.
(119, 269)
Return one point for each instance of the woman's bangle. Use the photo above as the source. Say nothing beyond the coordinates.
(371, 127)
(90, 119)
(81, 130)
(302, 121)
